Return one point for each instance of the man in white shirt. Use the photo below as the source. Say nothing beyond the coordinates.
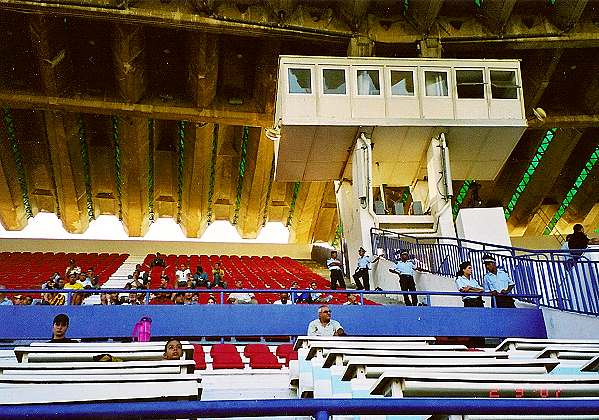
(241, 297)
(181, 273)
(283, 300)
(404, 268)
(362, 270)
(336, 269)
(324, 325)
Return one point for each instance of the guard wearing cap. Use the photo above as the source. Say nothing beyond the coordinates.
(404, 268)
(362, 270)
(498, 283)
(336, 269)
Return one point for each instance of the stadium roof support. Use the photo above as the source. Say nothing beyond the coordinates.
(584, 173)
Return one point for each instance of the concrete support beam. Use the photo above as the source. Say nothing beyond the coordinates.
(360, 46)
(128, 53)
(260, 152)
(134, 172)
(498, 13)
(424, 13)
(327, 218)
(305, 215)
(240, 115)
(541, 183)
(196, 183)
(203, 67)
(568, 12)
(591, 221)
(267, 72)
(566, 121)
(12, 209)
(64, 149)
(49, 43)
(538, 69)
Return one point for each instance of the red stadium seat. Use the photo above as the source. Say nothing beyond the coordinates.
(264, 361)
(227, 361)
(251, 349)
(223, 348)
(284, 349)
(199, 356)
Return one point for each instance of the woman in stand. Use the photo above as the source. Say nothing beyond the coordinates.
(467, 284)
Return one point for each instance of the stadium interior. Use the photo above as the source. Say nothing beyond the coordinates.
(394, 143)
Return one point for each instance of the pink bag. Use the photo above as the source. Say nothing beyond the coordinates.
(142, 331)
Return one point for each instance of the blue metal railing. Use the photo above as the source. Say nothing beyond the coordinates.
(223, 293)
(564, 279)
(320, 409)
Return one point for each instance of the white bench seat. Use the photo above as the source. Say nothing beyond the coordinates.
(373, 366)
(106, 371)
(32, 353)
(541, 343)
(323, 348)
(336, 355)
(185, 366)
(87, 392)
(569, 352)
(591, 366)
(116, 378)
(305, 341)
(404, 383)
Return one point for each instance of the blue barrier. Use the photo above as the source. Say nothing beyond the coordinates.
(319, 408)
(99, 321)
(563, 280)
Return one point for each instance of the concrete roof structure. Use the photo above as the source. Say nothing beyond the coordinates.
(147, 109)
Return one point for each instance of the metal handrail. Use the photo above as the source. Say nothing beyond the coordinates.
(292, 292)
(320, 409)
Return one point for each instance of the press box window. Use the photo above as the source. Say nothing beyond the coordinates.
(334, 82)
(402, 83)
(436, 83)
(300, 80)
(368, 82)
(470, 84)
(503, 84)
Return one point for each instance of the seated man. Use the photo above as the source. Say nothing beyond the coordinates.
(283, 299)
(324, 325)
(59, 329)
(158, 261)
(181, 273)
(352, 300)
(299, 297)
(241, 297)
(173, 350)
(201, 278)
(316, 297)
(218, 276)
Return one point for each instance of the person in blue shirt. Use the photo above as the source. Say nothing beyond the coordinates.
(498, 282)
(3, 299)
(362, 270)
(404, 268)
(466, 284)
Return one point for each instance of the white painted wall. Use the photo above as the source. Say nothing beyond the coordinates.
(484, 225)
(569, 325)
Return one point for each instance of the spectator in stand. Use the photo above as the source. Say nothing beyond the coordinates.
(241, 297)
(316, 297)
(467, 284)
(60, 283)
(325, 325)
(164, 281)
(181, 273)
(89, 274)
(218, 277)
(211, 301)
(72, 268)
(173, 350)
(189, 281)
(55, 298)
(190, 299)
(362, 270)
(404, 268)
(113, 298)
(336, 269)
(179, 298)
(74, 284)
(352, 299)
(104, 299)
(201, 278)
(283, 299)
(162, 299)
(299, 297)
(143, 274)
(59, 329)
(498, 282)
(49, 284)
(158, 261)
(27, 300)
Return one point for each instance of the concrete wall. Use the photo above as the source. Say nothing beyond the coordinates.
(133, 247)
(569, 325)
(536, 242)
(483, 225)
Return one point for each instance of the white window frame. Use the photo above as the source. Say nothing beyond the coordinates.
(380, 70)
(347, 84)
(300, 67)
(414, 72)
(518, 84)
(485, 82)
(450, 83)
